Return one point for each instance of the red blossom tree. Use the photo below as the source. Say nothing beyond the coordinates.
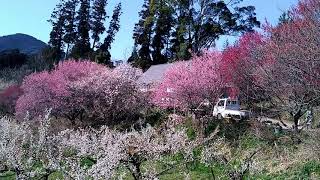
(8, 98)
(290, 73)
(238, 66)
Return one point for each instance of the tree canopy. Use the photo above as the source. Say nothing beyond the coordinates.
(170, 30)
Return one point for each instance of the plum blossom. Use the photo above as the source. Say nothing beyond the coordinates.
(188, 83)
(83, 90)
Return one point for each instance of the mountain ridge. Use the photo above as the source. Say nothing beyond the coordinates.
(25, 43)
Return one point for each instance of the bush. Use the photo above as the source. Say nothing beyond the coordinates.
(82, 91)
(155, 116)
(40, 91)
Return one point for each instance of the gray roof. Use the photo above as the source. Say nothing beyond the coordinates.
(154, 74)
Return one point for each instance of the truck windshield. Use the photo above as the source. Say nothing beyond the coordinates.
(221, 103)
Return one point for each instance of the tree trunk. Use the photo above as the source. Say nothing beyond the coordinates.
(73, 122)
(18, 172)
(94, 44)
(136, 171)
(296, 117)
(68, 46)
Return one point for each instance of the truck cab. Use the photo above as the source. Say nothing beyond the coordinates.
(229, 108)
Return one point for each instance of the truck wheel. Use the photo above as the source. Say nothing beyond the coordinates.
(219, 117)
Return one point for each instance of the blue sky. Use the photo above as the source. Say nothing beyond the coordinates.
(30, 17)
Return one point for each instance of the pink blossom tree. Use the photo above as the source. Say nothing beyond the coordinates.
(40, 91)
(82, 91)
(110, 96)
(128, 72)
(51, 89)
(189, 83)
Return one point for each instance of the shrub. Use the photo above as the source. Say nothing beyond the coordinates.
(82, 91)
(155, 116)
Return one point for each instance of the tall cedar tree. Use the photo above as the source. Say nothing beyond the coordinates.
(72, 25)
(56, 35)
(104, 56)
(82, 45)
(181, 41)
(69, 13)
(160, 42)
(143, 35)
(99, 16)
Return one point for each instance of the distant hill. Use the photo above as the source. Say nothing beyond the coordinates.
(25, 43)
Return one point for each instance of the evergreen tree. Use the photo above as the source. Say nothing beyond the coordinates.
(72, 24)
(104, 56)
(285, 18)
(181, 41)
(56, 35)
(216, 18)
(114, 27)
(164, 23)
(143, 34)
(82, 45)
(197, 25)
(134, 55)
(69, 13)
(99, 16)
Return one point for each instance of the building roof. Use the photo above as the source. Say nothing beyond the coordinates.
(154, 74)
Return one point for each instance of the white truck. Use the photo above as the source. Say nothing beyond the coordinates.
(229, 108)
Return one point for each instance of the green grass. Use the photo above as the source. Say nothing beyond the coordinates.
(196, 170)
(307, 170)
(55, 176)
(8, 176)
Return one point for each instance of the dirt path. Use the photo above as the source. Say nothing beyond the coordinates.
(286, 125)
